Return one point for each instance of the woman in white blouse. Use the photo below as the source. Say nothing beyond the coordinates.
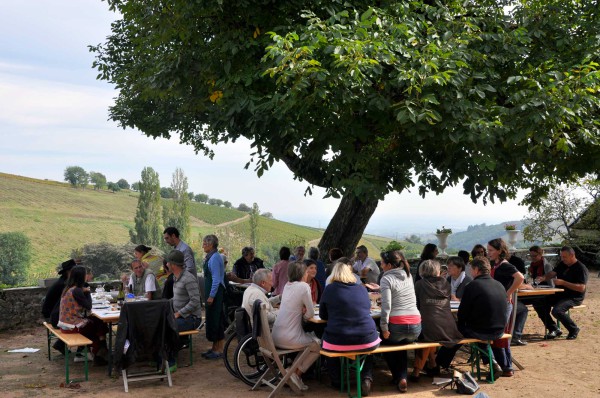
(457, 277)
(296, 304)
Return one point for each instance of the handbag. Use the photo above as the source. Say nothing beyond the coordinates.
(466, 384)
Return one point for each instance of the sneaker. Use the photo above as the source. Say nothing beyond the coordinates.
(80, 357)
(205, 353)
(573, 334)
(553, 334)
(365, 387)
(298, 382)
(517, 342)
(497, 368)
(201, 326)
(214, 355)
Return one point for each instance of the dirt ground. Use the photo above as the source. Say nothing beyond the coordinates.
(557, 368)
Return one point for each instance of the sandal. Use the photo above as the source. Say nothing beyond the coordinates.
(403, 386)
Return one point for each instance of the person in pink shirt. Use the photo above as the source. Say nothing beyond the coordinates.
(280, 270)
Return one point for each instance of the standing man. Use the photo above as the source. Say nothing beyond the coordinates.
(572, 276)
(245, 266)
(171, 235)
(365, 266)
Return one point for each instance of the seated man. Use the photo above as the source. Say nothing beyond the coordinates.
(572, 276)
(482, 310)
(365, 266)
(142, 282)
(245, 266)
(262, 282)
(186, 294)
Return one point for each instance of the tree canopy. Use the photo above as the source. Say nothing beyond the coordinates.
(365, 98)
(76, 176)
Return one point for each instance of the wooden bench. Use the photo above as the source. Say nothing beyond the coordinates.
(70, 340)
(355, 359)
(190, 333)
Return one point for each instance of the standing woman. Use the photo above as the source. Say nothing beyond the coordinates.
(142, 253)
(505, 273)
(75, 303)
(214, 283)
(430, 252)
(400, 319)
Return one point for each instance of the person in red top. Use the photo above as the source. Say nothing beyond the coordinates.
(539, 265)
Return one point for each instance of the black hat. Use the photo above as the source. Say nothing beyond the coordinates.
(66, 266)
(176, 257)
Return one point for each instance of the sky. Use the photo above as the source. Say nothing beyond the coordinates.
(54, 114)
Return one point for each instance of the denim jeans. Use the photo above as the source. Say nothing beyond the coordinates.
(397, 361)
(520, 320)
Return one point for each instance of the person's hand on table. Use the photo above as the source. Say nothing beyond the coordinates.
(386, 334)
(454, 298)
(177, 315)
(559, 282)
(210, 300)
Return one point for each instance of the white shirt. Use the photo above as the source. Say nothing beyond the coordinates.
(255, 292)
(150, 286)
(373, 274)
(287, 330)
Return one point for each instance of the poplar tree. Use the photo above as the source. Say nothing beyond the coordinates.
(148, 217)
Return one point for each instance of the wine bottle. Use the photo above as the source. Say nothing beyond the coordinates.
(121, 296)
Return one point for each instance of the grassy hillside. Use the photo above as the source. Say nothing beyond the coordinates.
(58, 218)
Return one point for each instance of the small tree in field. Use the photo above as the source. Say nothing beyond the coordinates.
(15, 254)
(148, 217)
(227, 204)
(113, 186)
(123, 184)
(244, 207)
(201, 197)
(76, 176)
(176, 213)
(135, 186)
(98, 179)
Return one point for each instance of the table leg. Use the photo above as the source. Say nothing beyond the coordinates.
(110, 349)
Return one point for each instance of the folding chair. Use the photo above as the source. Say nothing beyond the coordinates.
(147, 330)
(272, 355)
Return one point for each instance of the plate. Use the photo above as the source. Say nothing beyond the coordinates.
(101, 307)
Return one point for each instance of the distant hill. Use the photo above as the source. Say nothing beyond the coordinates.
(480, 233)
(58, 218)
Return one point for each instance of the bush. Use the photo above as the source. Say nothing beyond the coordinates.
(15, 254)
(106, 259)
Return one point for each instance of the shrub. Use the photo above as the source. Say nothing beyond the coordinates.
(15, 254)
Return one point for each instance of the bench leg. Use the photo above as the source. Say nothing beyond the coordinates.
(85, 353)
(49, 338)
(191, 346)
(67, 352)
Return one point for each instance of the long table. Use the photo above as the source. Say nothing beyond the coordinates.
(108, 316)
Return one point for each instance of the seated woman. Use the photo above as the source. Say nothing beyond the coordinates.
(437, 322)
(346, 307)
(310, 277)
(457, 277)
(400, 319)
(75, 302)
(296, 304)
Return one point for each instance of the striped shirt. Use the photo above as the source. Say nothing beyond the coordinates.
(186, 295)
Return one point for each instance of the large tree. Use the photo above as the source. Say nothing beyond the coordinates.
(148, 217)
(365, 98)
(98, 179)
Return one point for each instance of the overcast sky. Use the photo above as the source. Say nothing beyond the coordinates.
(53, 114)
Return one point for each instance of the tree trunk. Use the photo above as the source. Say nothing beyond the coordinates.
(347, 226)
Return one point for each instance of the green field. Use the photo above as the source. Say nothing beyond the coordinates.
(58, 218)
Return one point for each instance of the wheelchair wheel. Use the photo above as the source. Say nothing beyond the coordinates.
(248, 361)
(229, 352)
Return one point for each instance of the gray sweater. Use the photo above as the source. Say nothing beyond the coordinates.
(186, 295)
(397, 296)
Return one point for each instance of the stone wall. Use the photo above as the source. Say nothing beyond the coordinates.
(20, 307)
